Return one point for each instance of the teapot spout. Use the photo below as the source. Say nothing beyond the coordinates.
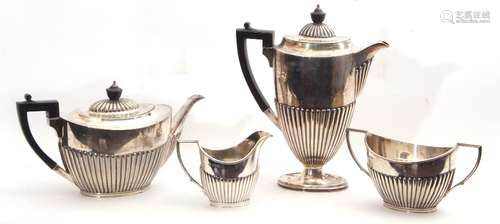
(368, 53)
(180, 116)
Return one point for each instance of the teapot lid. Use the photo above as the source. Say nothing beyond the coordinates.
(114, 107)
(116, 113)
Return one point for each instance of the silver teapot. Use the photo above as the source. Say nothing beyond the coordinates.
(317, 76)
(114, 148)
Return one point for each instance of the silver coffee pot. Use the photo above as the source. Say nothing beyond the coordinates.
(317, 76)
(114, 148)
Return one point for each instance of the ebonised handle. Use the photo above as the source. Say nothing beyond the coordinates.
(267, 38)
(51, 107)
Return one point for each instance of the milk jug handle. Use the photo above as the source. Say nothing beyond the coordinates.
(478, 160)
(178, 149)
(267, 38)
(51, 107)
(348, 131)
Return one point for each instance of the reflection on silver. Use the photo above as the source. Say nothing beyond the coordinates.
(410, 177)
(314, 136)
(228, 176)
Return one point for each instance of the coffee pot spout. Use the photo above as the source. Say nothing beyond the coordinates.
(367, 53)
(362, 61)
(180, 116)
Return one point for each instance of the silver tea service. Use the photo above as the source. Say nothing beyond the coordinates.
(317, 76)
(410, 177)
(117, 145)
(228, 176)
(114, 148)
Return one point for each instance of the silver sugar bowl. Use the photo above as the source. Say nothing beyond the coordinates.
(411, 177)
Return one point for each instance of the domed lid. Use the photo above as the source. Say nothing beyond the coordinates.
(317, 29)
(114, 107)
(316, 39)
(116, 113)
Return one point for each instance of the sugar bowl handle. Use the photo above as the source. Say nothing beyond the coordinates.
(191, 178)
(51, 107)
(267, 38)
(350, 148)
(478, 160)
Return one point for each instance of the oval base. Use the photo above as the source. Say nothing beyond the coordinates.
(414, 210)
(326, 182)
(230, 205)
(113, 195)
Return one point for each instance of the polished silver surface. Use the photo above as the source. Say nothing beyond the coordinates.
(321, 82)
(116, 142)
(228, 176)
(314, 136)
(104, 175)
(410, 177)
(317, 69)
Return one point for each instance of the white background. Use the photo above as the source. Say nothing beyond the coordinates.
(437, 84)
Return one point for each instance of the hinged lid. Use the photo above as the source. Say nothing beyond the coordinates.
(116, 113)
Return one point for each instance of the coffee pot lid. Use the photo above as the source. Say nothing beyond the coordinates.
(117, 113)
(316, 39)
(317, 29)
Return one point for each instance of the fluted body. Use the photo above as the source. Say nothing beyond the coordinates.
(100, 175)
(418, 194)
(228, 192)
(314, 135)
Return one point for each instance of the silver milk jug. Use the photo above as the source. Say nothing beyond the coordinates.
(229, 176)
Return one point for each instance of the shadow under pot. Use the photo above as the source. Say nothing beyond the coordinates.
(410, 177)
(228, 176)
(114, 148)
